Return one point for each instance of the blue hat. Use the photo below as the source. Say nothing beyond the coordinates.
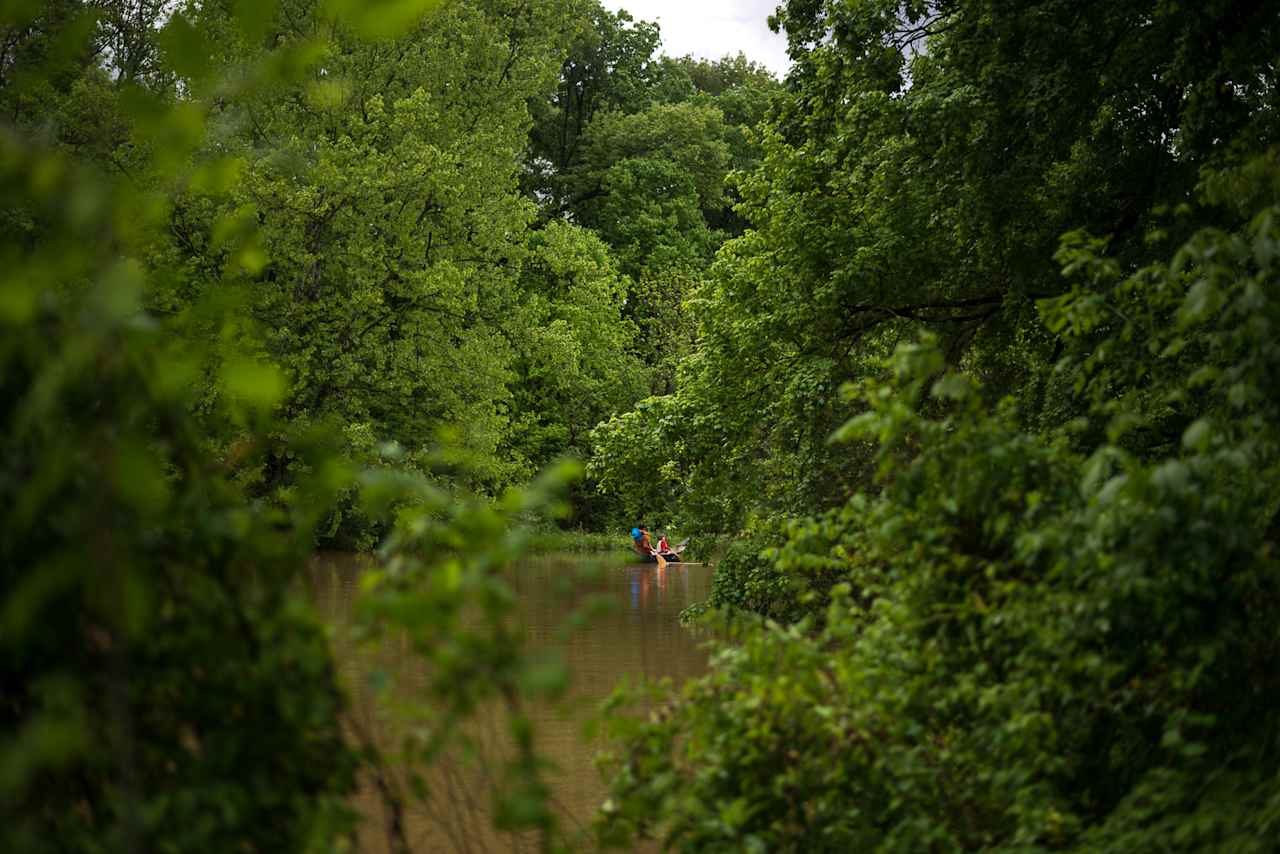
(635, 533)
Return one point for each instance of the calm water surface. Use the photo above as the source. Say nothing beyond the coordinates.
(637, 633)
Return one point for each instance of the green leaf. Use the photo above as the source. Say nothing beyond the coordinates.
(120, 295)
(217, 176)
(545, 674)
(953, 386)
(1172, 476)
(380, 19)
(258, 384)
(864, 426)
(1202, 301)
(140, 477)
(254, 17)
(1202, 376)
(1198, 435)
(186, 47)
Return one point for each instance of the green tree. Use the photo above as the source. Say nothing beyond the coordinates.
(577, 363)
(918, 170)
(610, 65)
(649, 184)
(1034, 641)
(1025, 591)
(647, 179)
(742, 90)
(391, 227)
(166, 685)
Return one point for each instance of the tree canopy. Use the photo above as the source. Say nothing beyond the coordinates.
(960, 338)
(985, 380)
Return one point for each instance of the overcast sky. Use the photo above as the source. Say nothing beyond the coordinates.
(713, 28)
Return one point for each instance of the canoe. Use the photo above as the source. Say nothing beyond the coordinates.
(672, 555)
(669, 557)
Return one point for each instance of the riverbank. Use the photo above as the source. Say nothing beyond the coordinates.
(576, 542)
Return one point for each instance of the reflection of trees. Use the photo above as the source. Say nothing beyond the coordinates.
(640, 638)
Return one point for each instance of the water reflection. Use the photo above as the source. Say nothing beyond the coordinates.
(638, 635)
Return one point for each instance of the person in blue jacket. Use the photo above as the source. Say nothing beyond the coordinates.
(640, 536)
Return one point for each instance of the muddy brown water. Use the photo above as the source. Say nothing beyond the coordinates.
(637, 633)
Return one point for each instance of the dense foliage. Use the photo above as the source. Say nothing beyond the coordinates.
(1036, 643)
(917, 175)
(965, 334)
(266, 267)
(1025, 599)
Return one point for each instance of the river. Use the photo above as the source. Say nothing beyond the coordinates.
(637, 634)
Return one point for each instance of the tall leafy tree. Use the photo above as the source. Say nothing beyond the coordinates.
(166, 685)
(639, 148)
(918, 173)
(577, 364)
(1035, 613)
(1017, 641)
(392, 228)
(610, 65)
(648, 180)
